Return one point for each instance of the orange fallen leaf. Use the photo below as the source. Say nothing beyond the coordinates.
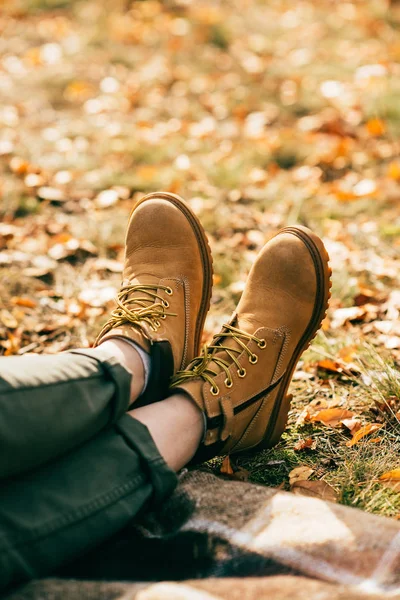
(233, 471)
(329, 365)
(347, 354)
(23, 301)
(315, 489)
(332, 416)
(366, 430)
(391, 479)
(304, 444)
(394, 170)
(393, 475)
(226, 467)
(376, 127)
(146, 172)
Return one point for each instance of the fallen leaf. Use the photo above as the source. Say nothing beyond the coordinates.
(393, 475)
(106, 198)
(329, 365)
(52, 194)
(232, 471)
(341, 316)
(315, 489)
(226, 467)
(391, 479)
(394, 170)
(376, 127)
(8, 319)
(353, 425)
(366, 430)
(26, 302)
(300, 474)
(108, 264)
(308, 443)
(332, 416)
(347, 354)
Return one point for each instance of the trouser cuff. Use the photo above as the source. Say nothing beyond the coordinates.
(137, 436)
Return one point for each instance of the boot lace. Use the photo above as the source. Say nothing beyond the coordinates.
(200, 366)
(139, 310)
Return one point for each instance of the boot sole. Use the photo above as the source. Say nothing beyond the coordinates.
(279, 416)
(206, 259)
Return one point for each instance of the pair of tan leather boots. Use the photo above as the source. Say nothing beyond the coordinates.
(240, 380)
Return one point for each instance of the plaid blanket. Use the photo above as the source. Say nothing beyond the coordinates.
(221, 539)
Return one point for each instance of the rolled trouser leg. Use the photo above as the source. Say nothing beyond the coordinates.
(63, 509)
(50, 404)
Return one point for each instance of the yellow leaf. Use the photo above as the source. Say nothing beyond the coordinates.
(366, 430)
(393, 475)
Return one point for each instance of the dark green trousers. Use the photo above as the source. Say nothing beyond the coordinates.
(74, 468)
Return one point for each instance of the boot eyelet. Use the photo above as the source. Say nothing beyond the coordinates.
(169, 291)
(253, 359)
(228, 383)
(165, 303)
(262, 344)
(163, 317)
(242, 372)
(214, 390)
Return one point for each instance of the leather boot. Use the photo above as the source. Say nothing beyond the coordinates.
(241, 379)
(165, 293)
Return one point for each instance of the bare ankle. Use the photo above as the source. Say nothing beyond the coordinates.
(129, 357)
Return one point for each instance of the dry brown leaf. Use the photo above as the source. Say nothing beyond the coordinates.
(366, 430)
(240, 474)
(232, 471)
(332, 416)
(301, 444)
(315, 489)
(300, 474)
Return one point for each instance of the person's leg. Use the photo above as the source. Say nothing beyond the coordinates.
(65, 508)
(50, 404)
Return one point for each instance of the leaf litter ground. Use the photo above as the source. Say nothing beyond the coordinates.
(261, 115)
